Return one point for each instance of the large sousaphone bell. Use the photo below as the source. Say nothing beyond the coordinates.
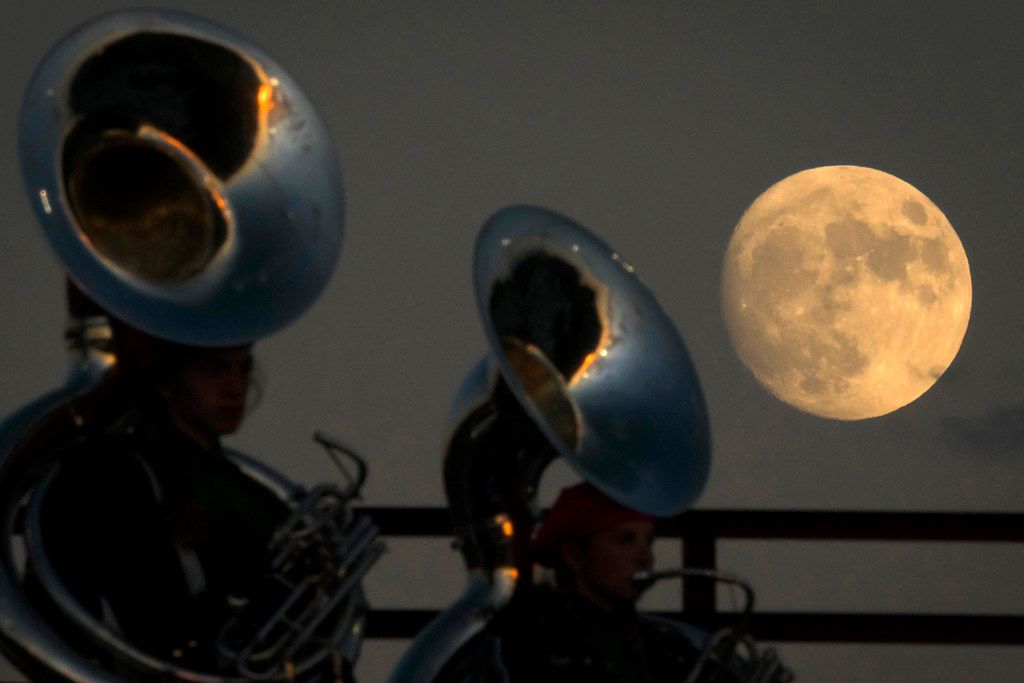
(584, 365)
(191, 190)
(182, 176)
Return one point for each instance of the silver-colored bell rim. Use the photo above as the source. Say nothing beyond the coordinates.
(279, 211)
(644, 437)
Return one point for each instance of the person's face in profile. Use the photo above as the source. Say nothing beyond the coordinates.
(206, 397)
(605, 564)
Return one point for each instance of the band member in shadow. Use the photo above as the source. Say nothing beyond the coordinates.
(155, 532)
(585, 626)
(581, 624)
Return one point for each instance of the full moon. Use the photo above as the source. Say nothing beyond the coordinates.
(845, 291)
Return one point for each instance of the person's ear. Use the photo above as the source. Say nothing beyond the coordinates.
(571, 555)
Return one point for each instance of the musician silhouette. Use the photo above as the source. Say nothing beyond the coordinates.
(584, 625)
(154, 531)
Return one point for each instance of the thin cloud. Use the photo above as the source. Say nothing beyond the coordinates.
(998, 432)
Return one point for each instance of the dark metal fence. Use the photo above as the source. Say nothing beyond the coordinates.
(700, 531)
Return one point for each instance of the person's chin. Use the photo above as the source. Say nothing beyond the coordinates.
(631, 592)
(625, 595)
(228, 426)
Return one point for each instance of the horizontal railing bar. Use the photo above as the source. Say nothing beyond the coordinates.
(769, 524)
(850, 525)
(698, 528)
(410, 521)
(950, 629)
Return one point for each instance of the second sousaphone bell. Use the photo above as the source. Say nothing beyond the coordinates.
(633, 420)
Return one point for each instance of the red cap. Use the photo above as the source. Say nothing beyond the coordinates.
(578, 512)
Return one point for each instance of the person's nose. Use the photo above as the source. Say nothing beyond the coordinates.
(645, 556)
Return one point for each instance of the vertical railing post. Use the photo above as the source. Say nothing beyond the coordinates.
(698, 541)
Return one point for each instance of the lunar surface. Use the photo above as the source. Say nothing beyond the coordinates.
(845, 291)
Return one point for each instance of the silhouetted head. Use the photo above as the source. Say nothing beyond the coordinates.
(595, 545)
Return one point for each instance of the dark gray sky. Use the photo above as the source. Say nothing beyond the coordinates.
(655, 124)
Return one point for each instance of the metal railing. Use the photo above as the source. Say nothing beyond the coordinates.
(700, 531)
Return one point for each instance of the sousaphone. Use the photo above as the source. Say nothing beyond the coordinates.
(583, 365)
(192, 192)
